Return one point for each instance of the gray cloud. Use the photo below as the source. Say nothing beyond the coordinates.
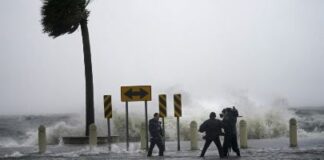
(207, 49)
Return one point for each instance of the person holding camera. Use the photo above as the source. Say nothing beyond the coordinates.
(229, 116)
(213, 128)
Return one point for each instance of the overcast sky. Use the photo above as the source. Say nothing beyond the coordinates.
(214, 52)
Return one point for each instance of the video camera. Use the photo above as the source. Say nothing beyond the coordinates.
(231, 111)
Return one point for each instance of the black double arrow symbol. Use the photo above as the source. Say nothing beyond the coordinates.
(141, 93)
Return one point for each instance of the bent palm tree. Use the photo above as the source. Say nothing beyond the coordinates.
(64, 16)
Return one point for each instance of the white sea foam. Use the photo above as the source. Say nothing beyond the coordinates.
(302, 133)
(89, 151)
(8, 142)
(14, 154)
(67, 154)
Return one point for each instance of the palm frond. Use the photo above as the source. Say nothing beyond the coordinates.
(62, 16)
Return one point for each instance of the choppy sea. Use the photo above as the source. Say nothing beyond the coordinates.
(18, 140)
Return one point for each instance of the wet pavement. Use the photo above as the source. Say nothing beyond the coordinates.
(265, 149)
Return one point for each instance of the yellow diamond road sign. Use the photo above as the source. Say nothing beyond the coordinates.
(135, 93)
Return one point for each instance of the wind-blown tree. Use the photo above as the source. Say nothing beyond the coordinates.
(64, 16)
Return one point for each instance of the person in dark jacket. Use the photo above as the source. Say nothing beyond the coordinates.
(156, 133)
(230, 139)
(213, 128)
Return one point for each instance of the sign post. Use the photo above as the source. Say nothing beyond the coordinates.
(127, 134)
(177, 113)
(136, 93)
(163, 112)
(108, 115)
(146, 129)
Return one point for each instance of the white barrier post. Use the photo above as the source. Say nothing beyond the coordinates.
(243, 134)
(92, 136)
(42, 139)
(193, 135)
(143, 136)
(293, 132)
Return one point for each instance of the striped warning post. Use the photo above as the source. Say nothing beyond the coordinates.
(162, 105)
(177, 105)
(107, 106)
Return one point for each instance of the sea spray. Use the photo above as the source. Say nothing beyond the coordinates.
(15, 154)
(264, 121)
(271, 124)
(25, 131)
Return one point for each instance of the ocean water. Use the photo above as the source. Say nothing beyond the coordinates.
(268, 139)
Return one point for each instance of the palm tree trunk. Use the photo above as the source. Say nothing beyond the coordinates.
(88, 75)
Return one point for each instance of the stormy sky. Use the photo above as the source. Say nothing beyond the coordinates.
(214, 52)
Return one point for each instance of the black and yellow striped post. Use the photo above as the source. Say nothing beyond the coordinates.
(163, 111)
(177, 113)
(162, 105)
(108, 115)
(107, 106)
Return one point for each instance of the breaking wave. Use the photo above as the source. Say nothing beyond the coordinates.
(269, 123)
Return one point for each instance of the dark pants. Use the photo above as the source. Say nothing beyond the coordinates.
(218, 145)
(230, 141)
(159, 143)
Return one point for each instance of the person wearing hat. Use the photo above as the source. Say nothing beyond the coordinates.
(213, 128)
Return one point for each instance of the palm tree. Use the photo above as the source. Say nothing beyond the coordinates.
(64, 16)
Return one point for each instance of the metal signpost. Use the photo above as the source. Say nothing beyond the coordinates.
(108, 115)
(163, 111)
(127, 134)
(177, 113)
(146, 129)
(131, 94)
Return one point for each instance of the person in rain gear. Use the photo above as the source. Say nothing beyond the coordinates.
(229, 116)
(213, 128)
(156, 133)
